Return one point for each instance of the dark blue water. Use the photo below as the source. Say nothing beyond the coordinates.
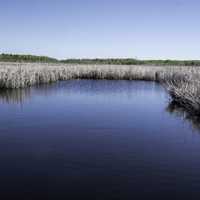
(87, 139)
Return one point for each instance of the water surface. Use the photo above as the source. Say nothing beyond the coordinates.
(96, 139)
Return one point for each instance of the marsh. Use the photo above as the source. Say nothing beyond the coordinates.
(181, 82)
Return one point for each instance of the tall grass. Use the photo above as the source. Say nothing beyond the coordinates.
(183, 83)
(13, 75)
(184, 89)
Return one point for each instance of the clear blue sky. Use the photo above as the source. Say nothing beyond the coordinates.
(101, 28)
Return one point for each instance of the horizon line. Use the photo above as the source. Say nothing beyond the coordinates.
(94, 58)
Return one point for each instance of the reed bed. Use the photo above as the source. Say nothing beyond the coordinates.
(183, 83)
(25, 75)
(185, 90)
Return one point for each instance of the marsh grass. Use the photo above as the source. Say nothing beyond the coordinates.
(185, 91)
(182, 83)
(13, 75)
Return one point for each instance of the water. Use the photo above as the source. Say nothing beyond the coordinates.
(96, 140)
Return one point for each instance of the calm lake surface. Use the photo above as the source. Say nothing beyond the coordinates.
(96, 139)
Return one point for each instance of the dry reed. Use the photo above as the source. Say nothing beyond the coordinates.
(183, 83)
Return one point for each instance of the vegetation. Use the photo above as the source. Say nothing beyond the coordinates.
(20, 75)
(184, 89)
(26, 58)
(110, 61)
(130, 61)
(182, 82)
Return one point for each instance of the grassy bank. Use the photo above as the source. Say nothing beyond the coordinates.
(182, 83)
(97, 61)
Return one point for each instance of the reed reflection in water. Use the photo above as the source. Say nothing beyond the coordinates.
(16, 96)
(178, 111)
(19, 96)
(108, 87)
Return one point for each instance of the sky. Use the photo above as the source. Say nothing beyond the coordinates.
(143, 29)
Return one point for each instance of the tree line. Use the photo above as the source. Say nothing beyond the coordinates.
(109, 61)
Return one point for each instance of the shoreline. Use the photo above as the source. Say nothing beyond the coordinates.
(182, 82)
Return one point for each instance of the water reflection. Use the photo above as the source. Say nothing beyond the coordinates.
(16, 96)
(99, 87)
(176, 110)
(19, 96)
(95, 140)
(95, 88)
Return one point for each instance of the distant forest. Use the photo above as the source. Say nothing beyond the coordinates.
(110, 61)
